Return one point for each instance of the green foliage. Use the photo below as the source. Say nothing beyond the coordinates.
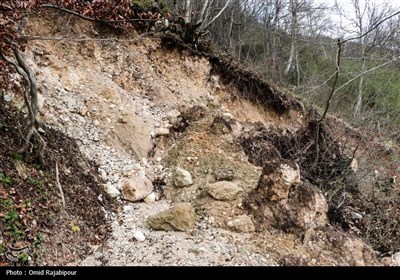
(13, 225)
(5, 203)
(17, 156)
(4, 179)
(23, 257)
(2, 249)
(37, 182)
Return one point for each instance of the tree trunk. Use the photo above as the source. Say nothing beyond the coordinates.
(293, 32)
(188, 11)
(358, 105)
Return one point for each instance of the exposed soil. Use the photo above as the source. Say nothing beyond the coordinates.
(108, 99)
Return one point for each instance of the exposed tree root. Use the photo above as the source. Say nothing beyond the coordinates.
(31, 103)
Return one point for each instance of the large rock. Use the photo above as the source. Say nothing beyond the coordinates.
(182, 217)
(136, 188)
(241, 224)
(182, 178)
(225, 191)
(283, 200)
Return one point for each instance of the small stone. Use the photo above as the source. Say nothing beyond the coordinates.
(103, 174)
(8, 97)
(83, 111)
(151, 198)
(139, 236)
(112, 191)
(41, 130)
(396, 259)
(241, 224)
(173, 116)
(182, 178)
(136, 188)
(182, 217)
(163, 131)
(224, 175)
(225, 191)
(357, 216)
(387, 261)
(96, 122)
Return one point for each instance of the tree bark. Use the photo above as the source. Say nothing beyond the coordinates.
(293, 32)
(188, 11)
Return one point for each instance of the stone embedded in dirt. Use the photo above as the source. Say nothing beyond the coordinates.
(215, 82)
(396, 259)
(182, 217)
(112, 191)
(357, 252)
(182, 178)
(354, 165)
(151, 198)
(40, 101)
(162, 131)
(221, 125)
(136, 188)
(225, 191)
(173, 116)
(296, 207)
(241, 224)
(387, 261)
(8, 97)
(139, 236)
(83, 111)
(280, 180)
(224, 175)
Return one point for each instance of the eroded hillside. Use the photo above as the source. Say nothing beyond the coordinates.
(173, 127)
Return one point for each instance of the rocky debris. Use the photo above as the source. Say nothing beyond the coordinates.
(182, 178)
(8, 97)
(112, 191)
(225, 191)
(386, 261)
(224, 175)
(357, 252)
(396, 259)
(139, 236)
(215, 82)
(173, 116)
(295, 206)
(162, 131)
(79, 113)
(221, 125)
(181, 217)
(354, 165)
(151, 198)
(241, 224)
(136, 188)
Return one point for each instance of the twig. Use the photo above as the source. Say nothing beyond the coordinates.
(328, 104)
(59, 186)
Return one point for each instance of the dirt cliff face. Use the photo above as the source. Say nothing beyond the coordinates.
(137, 107)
